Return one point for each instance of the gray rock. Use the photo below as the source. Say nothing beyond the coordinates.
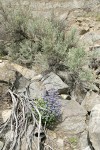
(91, 100)
(91, 37)
(7, 72)
(21, 84)
(7, 77)
(66, 77)
(60, 143)
(87, 148)
(78, 93)
(52, 81)
(1, 145)
(36, 90)
(94, 127)
(27, 73)
(84, 141)
(6, 114)
(89, 87)
(73, 117)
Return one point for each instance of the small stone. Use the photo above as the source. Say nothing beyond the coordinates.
(1, 61)
(60, 143)
(64, 96)
(67, 97)
(1, 145)
(6, 114)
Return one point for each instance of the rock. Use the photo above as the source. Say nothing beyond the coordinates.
(21, 83)
(7, 72)
(66, 77)
(63, 16)
(78, 93)
(98, 71)
(80, 19)
(54, 140)
(36, 90)
(65, 96)
(84, 141)
(6, 114)
(95, 47)
(89, 87)
(1, 61)
(91, 37)
(52, 81)
(84, 29)
(27, 73)
(97, 83)
(37, 77)
(94, 88)
(87, 148)
(73, 117)
(1, 145)
(94, 127)
(60, 143)
(91, 100)
(7, 77)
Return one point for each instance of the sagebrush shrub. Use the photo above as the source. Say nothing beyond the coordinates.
(39, 41)
(76, 58)
(29, 36)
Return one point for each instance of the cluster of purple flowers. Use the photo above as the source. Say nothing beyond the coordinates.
(53, 107)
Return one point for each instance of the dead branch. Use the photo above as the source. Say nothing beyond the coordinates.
(23, 123)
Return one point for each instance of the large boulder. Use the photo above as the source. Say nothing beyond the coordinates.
(73, 117)
(52, 81)
(91, 99)
(94, 127)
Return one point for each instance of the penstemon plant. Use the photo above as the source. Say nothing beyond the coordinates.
(50, 108)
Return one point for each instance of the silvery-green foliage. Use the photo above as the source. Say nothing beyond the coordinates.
(41, 62)
(76, 58)
(77, 61)
(40, 41)
(30, 36)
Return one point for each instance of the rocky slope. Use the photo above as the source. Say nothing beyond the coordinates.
(80, 126)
